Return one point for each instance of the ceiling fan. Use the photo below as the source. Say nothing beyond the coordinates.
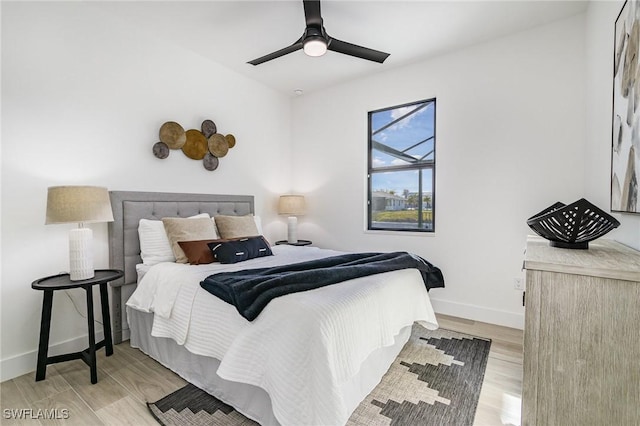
(315, 41)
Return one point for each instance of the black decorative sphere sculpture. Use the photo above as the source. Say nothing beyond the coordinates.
(572, 226)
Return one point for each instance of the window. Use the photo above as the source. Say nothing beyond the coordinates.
(401, 172)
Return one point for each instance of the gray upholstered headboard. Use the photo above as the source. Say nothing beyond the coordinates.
(124, 245)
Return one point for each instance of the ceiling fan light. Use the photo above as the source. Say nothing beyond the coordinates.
(315, 47)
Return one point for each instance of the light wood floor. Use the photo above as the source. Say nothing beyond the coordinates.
(129, 378)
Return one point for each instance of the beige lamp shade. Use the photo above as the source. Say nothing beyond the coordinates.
(78, 204)
(292, 205)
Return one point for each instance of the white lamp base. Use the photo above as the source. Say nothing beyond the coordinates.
(292, 229)
(81, 254)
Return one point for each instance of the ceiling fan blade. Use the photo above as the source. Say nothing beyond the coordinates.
(295, 46)
(357, 51)
(312, 12)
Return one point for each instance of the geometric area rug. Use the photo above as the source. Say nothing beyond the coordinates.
(435, 380)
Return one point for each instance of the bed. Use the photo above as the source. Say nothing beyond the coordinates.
(308, 358)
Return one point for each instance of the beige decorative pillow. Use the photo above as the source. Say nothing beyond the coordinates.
(183, 229)
(154, 244)
(236, 226)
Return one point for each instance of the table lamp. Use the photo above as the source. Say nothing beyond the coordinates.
(292, 205)
(79, 204)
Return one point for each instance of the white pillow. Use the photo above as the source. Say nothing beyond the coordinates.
(154, 244)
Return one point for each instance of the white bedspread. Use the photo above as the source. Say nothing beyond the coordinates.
(302, 346)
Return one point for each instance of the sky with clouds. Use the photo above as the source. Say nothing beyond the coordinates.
(400, 136)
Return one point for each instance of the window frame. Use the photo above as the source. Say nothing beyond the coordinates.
(408, 167)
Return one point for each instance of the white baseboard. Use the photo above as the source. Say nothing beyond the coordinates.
(479, 313)
(26, 362)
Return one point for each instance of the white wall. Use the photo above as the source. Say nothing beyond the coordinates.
(600, 24)
(510, 142)
(83, 97)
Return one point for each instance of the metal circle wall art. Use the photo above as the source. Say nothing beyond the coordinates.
(196, 145)
(210, 162)
(218, 145)
(206, 144)
(231, 140)
(208, 128)
(161, 150)
(173, 135)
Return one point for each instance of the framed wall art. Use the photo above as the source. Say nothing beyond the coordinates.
(625, 150)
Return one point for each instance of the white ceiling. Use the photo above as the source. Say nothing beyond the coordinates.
(234, 32)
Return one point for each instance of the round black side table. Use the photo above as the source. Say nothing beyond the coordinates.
(297, 243)
(63, 282)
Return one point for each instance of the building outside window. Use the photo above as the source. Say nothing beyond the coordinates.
(402, 164)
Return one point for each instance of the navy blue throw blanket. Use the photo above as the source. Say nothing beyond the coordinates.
(251, 290)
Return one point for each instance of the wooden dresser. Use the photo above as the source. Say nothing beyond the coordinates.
(582, 335)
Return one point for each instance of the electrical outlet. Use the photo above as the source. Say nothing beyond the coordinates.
(518, 284)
